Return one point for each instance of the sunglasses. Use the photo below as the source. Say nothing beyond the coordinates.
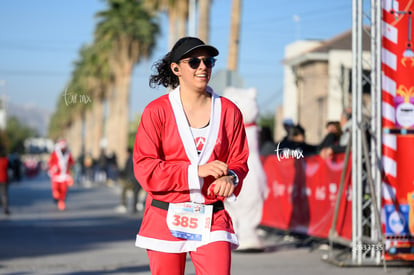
(195, 62)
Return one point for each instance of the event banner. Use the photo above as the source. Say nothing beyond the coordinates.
(398, 129)
(303, 193)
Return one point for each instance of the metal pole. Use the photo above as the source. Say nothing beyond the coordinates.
(376, 125)
(357, 119)
(357, 171)
(354, 168)
(378, 176)
(371, 168)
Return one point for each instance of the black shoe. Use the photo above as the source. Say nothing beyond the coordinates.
(7, 212)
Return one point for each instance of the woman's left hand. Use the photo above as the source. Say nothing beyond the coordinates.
(221, 187)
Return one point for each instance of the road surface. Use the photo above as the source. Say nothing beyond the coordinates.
(91, 238)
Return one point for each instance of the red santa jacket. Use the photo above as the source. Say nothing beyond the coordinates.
(4, 164)
(60, 164)
(166, 165)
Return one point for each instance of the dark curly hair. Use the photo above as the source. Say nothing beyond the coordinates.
(182, 48)
(163, 74)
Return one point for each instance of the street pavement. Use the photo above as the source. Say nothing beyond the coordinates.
(90, 237)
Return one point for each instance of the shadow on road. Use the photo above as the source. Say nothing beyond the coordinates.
(131, 269)
(36, 228)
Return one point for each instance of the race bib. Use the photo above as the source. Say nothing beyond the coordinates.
(190, 221)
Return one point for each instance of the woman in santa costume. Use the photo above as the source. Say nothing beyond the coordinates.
(60, 162)
(190, 155)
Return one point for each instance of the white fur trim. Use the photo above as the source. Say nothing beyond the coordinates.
(215, 117)
(63, 160)
(188, 143)
(194, 182)
(185, 245)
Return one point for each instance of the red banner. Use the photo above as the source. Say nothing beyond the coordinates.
(398, 204)
(303, 194)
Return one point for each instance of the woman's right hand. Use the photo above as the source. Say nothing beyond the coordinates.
(215, 169)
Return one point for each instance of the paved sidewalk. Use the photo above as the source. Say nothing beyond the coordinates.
(91, 238)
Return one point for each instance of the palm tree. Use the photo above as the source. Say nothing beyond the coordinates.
(98, 77)
(79, 111)
(68, 109)
(77, 99)
(131, 32)
(59, 119)
(177, 11)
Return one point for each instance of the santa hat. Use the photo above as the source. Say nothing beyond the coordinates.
(61, 144)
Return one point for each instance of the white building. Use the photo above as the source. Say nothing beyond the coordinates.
(317, 83)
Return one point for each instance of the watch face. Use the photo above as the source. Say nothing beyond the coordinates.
(235, 178)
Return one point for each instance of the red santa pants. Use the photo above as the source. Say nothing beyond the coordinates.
(210, 259)
(59, 190)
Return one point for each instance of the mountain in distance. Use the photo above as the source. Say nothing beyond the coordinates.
(30, 115)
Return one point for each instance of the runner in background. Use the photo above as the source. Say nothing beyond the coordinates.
(60, 163)
(4, 180)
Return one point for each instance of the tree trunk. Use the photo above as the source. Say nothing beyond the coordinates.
(97, 127)
(94, 128)
(234, 36)
(172, 29)
(177, 17)
(118, 118)
(95, 116)
(89, 138)
(204, 20)
(74, 134)
(182, 16)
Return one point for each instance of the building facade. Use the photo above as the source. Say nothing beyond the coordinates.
(317, 84)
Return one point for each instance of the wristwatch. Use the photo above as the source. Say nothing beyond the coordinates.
(234, 176)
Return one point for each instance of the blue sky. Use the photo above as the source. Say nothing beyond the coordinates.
(40, 40)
